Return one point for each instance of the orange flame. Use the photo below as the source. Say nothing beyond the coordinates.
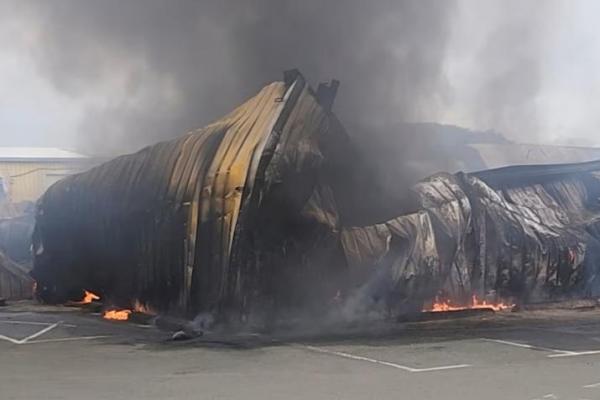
(88, 298)
(446, 305)
(123, 314)
(117, 315)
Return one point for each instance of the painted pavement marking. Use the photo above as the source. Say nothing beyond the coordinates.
(15, 322)
(559, 353)
(33, 336)
(379, 362)
(69, 339)
(575, 354)
(48, 327)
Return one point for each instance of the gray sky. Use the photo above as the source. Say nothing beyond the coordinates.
(529, 69)
(564, 38)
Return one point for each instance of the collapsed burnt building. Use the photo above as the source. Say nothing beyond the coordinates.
(528, 233)
(212, 221)
(270, 208)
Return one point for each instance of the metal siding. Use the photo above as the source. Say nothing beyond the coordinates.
(169, 226)
(27, 180)
(15, 283)
(163, 218)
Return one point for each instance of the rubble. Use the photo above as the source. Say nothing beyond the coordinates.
(529, 233)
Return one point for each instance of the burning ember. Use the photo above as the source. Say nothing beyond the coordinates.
(123, 314)
(117, 315)
(88, 298)
(446, 305)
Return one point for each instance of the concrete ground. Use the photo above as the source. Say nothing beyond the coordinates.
(50, 353)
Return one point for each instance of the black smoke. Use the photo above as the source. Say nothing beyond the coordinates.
(163, 67)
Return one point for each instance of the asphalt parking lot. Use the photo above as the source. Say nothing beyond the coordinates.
(46, 354)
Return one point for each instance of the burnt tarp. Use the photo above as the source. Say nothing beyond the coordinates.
(202, 223)
(525, 232)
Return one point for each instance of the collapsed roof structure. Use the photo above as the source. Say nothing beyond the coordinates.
(200, 223)
(524, 232)
(270, 209)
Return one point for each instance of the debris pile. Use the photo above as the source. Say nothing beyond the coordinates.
(528, 233)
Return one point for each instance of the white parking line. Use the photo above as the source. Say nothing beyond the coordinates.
(576, 354)
(8, 339)
(33, 336)
(380, 362)
(592, 386)
(30, 339)
(11, 321)
(559, 353)
(40, 333)
(69, 339)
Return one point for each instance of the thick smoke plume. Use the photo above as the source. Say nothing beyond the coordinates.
(506, 74)
(149, 70)
(160, 68)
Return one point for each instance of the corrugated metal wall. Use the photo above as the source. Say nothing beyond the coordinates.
(158, 225)
(27, 180)
(180, 226)
(15, 282)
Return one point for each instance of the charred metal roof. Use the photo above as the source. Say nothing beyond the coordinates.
(168, 224)
(38, 154)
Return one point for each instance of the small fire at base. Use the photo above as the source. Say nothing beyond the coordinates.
(117, 315)
(440, 305)
(123, 314)
(88, 298)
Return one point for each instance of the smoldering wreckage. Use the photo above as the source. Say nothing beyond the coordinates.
(253, 218)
